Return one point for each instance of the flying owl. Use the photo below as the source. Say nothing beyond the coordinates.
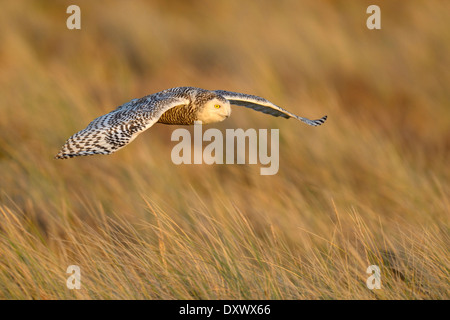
(182, 105)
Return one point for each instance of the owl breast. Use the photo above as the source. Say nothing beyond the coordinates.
(179, 115)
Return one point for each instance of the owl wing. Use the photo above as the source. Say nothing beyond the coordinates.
(265, 106)
(112, 131)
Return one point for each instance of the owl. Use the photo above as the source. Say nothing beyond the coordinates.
(177, 106)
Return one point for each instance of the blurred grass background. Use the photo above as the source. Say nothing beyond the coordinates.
(370, 186)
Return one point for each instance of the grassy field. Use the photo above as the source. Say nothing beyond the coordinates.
(369, 187)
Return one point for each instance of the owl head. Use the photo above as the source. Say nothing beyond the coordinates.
(215, 109)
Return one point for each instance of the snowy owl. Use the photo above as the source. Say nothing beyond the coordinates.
(183, 105)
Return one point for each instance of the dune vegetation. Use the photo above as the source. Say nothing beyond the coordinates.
(368, 187)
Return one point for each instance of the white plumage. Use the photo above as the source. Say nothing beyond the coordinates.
(182, 105)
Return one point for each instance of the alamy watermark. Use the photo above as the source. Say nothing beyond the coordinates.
(74, 280)
(374, 281)
(374, 20)
(190, 150)
(74, 20)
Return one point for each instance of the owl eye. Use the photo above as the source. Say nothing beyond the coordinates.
(217, 106)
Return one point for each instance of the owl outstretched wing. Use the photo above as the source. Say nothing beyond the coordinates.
(112, 131)
(265, 106)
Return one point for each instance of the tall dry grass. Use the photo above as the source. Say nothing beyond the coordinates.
(370, 186)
